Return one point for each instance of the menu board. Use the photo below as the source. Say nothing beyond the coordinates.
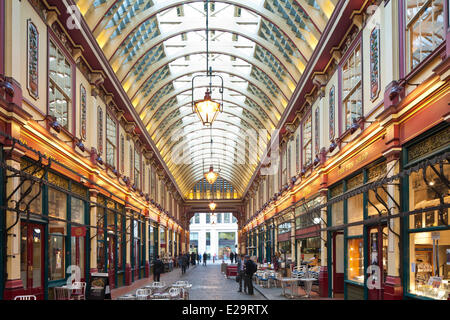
(98, 288)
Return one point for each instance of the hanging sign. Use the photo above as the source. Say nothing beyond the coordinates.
(78, 231)
(435, 235)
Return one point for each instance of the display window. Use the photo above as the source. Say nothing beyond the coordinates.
(355, 262)
(429, 256)
(428, 234)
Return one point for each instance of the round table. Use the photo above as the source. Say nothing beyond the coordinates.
(308, 285)
(294, 284)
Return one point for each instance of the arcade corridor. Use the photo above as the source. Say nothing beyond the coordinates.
(312, 136)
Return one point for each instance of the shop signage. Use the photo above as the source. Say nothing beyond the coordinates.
(99, 287)
(362, 158)
(435, 235)
(78, 231)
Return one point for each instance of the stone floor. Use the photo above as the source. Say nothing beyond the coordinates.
(208, 283)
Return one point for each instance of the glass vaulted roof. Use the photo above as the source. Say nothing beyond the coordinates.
(259, 47)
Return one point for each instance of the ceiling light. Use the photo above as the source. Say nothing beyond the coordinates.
(207, 109)
(211, 176)
(212, 205)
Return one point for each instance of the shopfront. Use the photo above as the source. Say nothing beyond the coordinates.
(54, 235)
(357, 248)
(284, 244)
(307, 240)
(426, 237)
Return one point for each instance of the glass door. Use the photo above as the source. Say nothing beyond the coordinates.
(377, 270)
(32, 259)
(111, 259)
(338, 263)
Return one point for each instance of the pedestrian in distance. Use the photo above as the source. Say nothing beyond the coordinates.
(241, 272)
(231, 257)
(205, 257)
(198, 259)
(250, 269)
(158, 268)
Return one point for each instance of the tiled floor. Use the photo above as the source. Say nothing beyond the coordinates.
(208, 283)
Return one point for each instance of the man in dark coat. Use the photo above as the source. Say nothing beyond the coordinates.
(193, 256)
(205, 257)
(183, 263)
(158, 268)
(187, 257)
(241, 272)
(250, 267)
(231, 256)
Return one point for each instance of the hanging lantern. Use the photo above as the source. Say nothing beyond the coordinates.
(207, 109)
(211, 176)
(212, 205)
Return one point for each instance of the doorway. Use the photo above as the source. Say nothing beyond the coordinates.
(111, 262)
(377, 271)
(32, 259)
(338, 263)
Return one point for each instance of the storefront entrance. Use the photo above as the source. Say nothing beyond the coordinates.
(377, 271)
(32, 259)
(111, 260)
(338, 262)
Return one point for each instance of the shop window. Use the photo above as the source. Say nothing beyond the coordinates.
(332, 102)
(424, 193)
(77, 210)
(355, 206)
(111, 140)
(429, 269)
(297, 155)
(337, 209)
(307, 141)
(351, 87)
(57, 208)
(36, 204)
(208, 218)
(355, 263)
(60, 86)
(197, 218)
(284, 228)
(83, 113)
(378, 198)
(317, 130)
(425, 27)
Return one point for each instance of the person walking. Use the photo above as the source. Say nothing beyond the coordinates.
(182, 263)
(205, 257)
(231, 256)
(158, 268)
(198, 259)
(250, 269)
(193, 256)
(214, 258)
(241, 272)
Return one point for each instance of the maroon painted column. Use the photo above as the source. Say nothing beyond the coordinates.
(147, 269)
(393, 289)
(128, 274)
(323, 282)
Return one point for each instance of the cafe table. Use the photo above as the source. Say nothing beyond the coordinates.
(308, 285)
(292, 281)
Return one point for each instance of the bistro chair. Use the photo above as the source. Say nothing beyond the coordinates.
(27, 297)
(143, 294)
(62, 293)
(175, 294)
(78, 291)
(264, 280)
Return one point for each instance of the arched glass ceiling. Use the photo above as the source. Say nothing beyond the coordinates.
(259, 47)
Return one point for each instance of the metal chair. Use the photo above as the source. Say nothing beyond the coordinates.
(62, 293)
(79, 291)
(175, 293)
(264, 280)
(25, 297)
(143, 294)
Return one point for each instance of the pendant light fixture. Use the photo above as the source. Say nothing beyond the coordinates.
(207, 109)
(211, 176)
